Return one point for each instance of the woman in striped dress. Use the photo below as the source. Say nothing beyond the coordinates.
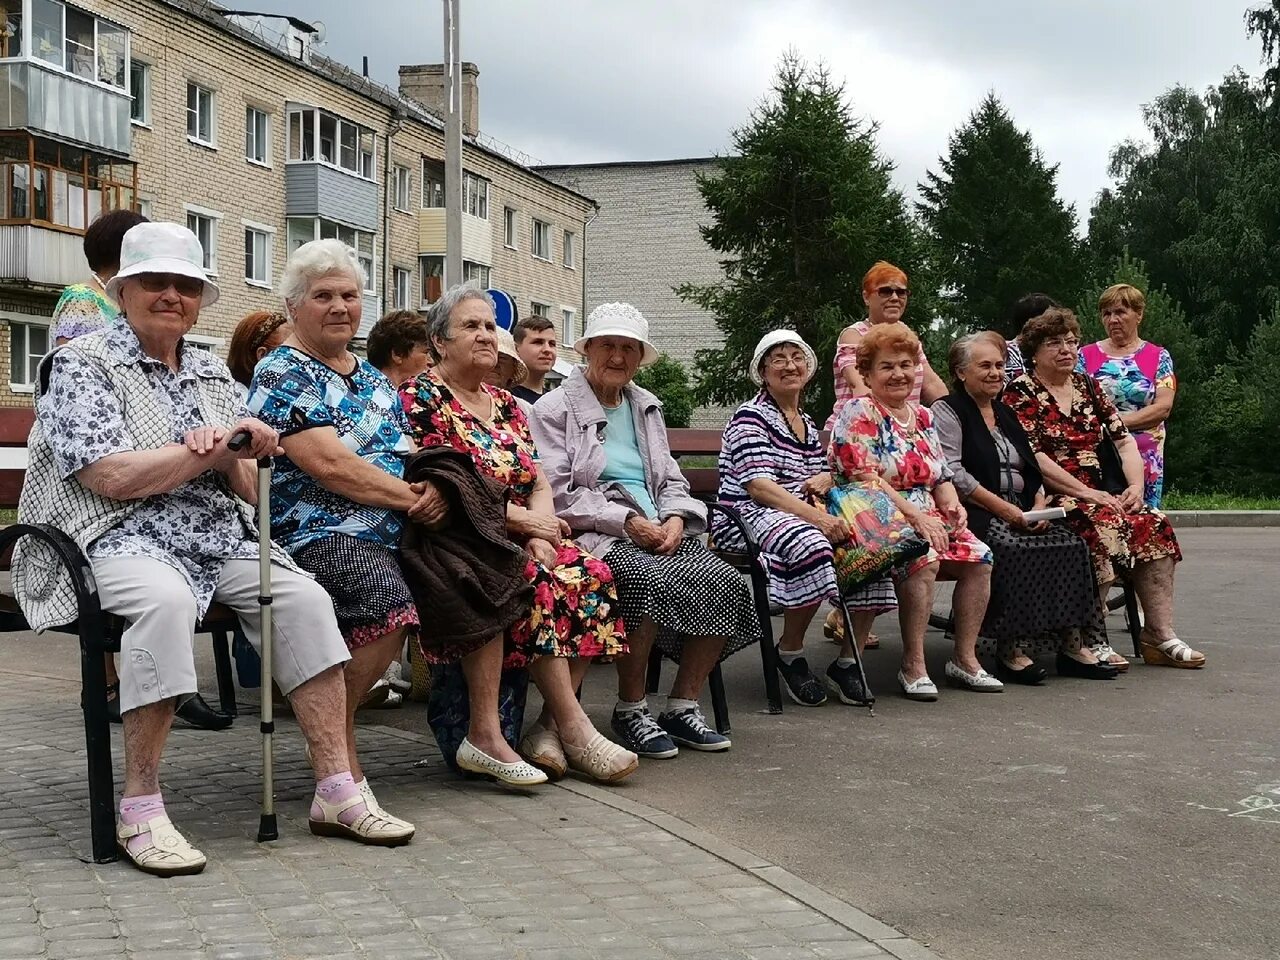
(773, 471)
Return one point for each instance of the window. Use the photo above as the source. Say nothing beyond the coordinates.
(432, 185)
(258, 241)
(140, 87)
(11, 34)
(403, 280)
(46, 31)
(539, 309)
(476, 273)
(401, 188)
(146, 207)
(55, 189)
(257, 136)
(509, 227)
(432, 269)
(199, 114)
(72, 40)
(204, 224)
(569, 334)
(541, 240)
(568, 249)
(475, 195)
(28, 343)
(315, 134)
(300, 230)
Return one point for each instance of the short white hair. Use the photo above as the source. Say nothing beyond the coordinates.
(316, 259)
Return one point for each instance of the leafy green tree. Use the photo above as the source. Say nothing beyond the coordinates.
(997, 227)
(799, 212)
(667, 379)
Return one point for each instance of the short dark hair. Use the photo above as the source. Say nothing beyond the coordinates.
(528, 325)
(1026, 307)
(398, 332)
(1054, 322)
(103, 238)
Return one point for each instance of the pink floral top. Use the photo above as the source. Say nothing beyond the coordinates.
(846, 357)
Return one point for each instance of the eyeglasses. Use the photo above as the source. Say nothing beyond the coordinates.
(777, 363)
(160, 282)
(1057, 343)
(887, 292)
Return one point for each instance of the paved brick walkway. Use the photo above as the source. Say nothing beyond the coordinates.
(570, 872)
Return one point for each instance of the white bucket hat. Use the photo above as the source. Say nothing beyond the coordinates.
(507, 348)
(772, 339)
(162, 248)
(618, 320)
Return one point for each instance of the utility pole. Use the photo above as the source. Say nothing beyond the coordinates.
(452, 147)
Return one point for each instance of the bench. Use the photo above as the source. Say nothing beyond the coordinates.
(99, 633)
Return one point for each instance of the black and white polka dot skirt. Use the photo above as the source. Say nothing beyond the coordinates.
(688, 594)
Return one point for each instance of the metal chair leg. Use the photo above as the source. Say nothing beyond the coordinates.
(719, 705)
(857, 654)
(222, 665)
(1133, 616)
(97, 744)
(768, 654)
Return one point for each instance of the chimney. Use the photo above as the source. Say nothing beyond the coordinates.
(425, 83)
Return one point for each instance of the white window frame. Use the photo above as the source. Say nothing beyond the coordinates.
(569, 324)
(570, 252)
(265, 161)
(23, 322)
(211, 253)
(142, 96)
(475, 266)
(60, 64)
(204, 342)
(401, 287)
(146, 207)
(534, 224)
(366, 162)
(268, 233)
(510, 228)
(401, 188)
(539, 309)
(475, 201)
(212, 142)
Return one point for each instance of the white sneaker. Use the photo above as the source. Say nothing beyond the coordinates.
(980, 682)
(922, 688)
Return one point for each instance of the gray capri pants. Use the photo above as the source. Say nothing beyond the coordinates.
(157, 654)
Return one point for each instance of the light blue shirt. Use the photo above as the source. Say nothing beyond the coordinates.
(623, 463)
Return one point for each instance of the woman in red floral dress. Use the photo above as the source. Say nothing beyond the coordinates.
(573, 617)
(1067, 417)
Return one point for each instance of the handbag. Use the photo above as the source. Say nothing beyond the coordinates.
(880, 540)
(449, 707)
(1109, 462)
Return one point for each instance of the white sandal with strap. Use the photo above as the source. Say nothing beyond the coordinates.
(372, 803)
(601, 759)
(1172, 653)
(373, 827)
(168, 854)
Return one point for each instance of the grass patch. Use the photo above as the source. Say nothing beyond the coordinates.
(1176, 500)
(8, 516)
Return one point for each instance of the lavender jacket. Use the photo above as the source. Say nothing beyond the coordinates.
(568, 428)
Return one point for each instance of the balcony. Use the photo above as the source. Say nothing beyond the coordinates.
(45, 100)
(477, 236)
(314, 189)
(36, 255)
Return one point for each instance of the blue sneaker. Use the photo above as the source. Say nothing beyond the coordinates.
(638, 732)
(689, 729)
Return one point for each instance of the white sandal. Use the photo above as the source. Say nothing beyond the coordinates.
(921, 688)
(519, 774)
(1172, 653)
(167, 855)
(372, 803)
(374, 827)
(601, 759)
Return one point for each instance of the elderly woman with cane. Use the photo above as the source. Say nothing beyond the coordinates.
(131, 452)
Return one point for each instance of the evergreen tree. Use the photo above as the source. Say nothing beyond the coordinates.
(997, 227)
(799, 212)
(667, 380)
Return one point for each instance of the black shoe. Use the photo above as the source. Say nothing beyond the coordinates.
(802, 686)
(199, 714)
(1071, 667)
(1030, 675)
(846, 684)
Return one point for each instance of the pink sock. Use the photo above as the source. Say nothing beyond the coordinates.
(135, 810)
(338, 789)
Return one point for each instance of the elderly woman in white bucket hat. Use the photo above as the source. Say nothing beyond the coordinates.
(130, 455)
(773, 471)
(603, 443)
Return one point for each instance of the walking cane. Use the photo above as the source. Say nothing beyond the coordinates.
(267, 823)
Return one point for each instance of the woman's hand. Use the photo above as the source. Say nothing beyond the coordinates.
(644, 533)
(672, 534)
(932, 529)
(541, 550)
(957, 516)
(524, 522)
(1099, 497)
(835, 529)
(263, 441)
(431, 507)
(1132, 498)
(203, 440)
(818, 486)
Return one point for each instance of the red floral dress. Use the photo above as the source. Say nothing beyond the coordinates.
(868, 440)
(574, 612)
(1071, 439)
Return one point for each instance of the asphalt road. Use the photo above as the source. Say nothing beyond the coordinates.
(1126, 820)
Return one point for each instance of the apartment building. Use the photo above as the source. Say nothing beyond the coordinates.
(240, 128)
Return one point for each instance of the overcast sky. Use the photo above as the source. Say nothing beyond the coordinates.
(573, 81)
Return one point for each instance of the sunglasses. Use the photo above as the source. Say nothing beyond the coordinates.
(159, 282)
(887, 292)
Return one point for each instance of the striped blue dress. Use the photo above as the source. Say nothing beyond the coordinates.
(758, 443)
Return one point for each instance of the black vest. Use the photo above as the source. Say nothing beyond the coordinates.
(979, 457)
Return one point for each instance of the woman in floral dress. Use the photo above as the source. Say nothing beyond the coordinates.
(887, 439)
(574, 614)
(1067, 418)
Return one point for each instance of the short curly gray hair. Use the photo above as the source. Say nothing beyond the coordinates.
(441, 312)
(316, 259)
